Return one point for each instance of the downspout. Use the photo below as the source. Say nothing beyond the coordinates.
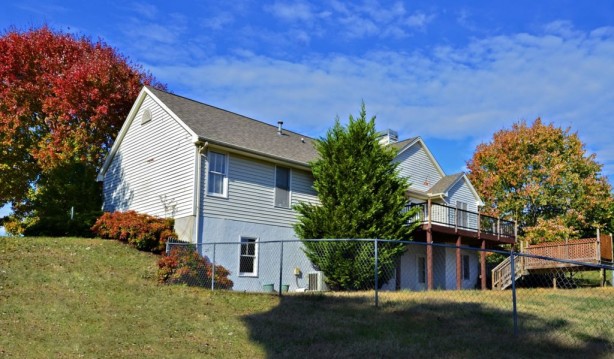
(196, 205)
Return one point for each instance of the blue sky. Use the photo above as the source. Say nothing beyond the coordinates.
(451, 72)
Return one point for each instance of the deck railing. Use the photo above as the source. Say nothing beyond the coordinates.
(462, 219)
(581, 250)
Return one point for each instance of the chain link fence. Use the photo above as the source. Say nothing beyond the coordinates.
(535, 297)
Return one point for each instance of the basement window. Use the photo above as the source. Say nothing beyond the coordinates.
(248, 258)
(466, 267)
(421, 269)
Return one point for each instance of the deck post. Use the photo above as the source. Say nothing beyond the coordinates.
(429, 250)
(458, 264)
(483, 265)
(479, 223)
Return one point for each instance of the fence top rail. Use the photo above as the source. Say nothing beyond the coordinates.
(434, 244)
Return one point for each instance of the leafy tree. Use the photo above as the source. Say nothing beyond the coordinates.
(63, 98)
(65, 202)
(541, 176)
(361, 196)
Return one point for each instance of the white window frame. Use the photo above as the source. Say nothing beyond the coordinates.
(289, 188)
(421, 269)
(254, 272)
(224, 174)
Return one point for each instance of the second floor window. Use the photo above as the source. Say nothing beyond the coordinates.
(282, 187)
(218, 174)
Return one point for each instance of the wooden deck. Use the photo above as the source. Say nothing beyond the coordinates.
(451, 222)
(587, 250)
(446, 224)
(579, 251)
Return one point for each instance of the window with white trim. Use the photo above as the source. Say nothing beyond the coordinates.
(218, 174)
(282, 187)
(248, 258)
(466, 268)
(421, 269)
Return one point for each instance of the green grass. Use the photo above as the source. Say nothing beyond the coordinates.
(70, 297)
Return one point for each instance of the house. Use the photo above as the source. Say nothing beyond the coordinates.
(224, 177)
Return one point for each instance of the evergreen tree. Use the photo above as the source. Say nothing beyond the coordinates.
(361, 196)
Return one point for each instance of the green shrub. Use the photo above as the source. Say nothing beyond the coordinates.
(145, 232)
(183, 265)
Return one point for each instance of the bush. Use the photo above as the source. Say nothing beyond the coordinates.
(145, 232)
(183, 265)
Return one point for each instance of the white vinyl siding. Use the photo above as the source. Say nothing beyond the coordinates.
(153, 169)
(218, 177)
(415, 164)
(460, 192)
(251, 193)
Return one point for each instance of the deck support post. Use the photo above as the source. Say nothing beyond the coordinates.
(483, 265)
(429, 251)
(458, 264)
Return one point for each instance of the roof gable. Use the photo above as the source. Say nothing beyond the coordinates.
(404, 145)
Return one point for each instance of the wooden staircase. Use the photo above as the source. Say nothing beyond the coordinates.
(502, 274)
(580, 251)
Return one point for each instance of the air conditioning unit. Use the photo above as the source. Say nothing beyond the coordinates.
(316, 281)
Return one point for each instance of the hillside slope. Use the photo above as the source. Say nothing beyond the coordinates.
(71, 297)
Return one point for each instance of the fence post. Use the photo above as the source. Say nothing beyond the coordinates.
(514, 311)
(213, 270)
(281, 265)
(376, 277)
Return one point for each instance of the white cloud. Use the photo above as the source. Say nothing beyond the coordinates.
(219, 21)
(457, 93)
(419, 20)
(296, 11)
(146, 10)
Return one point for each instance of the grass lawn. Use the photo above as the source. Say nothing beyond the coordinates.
(71, 297)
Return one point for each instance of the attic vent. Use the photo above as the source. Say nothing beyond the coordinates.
(146, 116)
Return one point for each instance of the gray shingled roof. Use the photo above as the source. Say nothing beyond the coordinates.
(399, 145)
(444, 184)
(227, 128)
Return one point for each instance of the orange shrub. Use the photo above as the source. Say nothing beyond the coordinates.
(186, 266)
(145, 232)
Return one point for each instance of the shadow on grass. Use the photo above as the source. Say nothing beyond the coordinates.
(347, 326)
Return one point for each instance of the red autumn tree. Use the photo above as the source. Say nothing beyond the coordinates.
(541, 176)
(62, 98)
